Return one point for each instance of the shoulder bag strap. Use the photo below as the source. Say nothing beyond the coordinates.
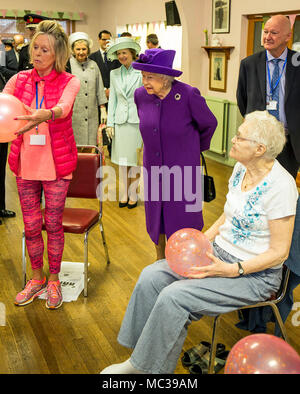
(203, 163)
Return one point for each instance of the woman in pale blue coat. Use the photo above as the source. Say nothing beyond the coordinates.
(123, 120)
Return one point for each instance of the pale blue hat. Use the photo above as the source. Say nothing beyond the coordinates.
(121, 43)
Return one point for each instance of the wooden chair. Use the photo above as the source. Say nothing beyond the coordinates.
(272, 302)
(84, 184)
(298, 180)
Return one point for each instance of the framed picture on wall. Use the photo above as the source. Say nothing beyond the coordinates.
(217, 71)
(220, 16)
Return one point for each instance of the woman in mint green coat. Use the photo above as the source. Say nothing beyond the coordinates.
(123, 120)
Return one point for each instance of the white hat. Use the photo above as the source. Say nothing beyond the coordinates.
(121, 43)
(79, 35)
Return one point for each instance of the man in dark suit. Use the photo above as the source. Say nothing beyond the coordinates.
(152, 41)
(11, 68)
(270, 80)
(105, 67)
(12, 58)
(4, 213)
(3, 157)
(100, 58)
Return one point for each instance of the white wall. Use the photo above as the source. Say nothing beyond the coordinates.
(238, 36)
(195, 17)
(100, 14)
(89, 7)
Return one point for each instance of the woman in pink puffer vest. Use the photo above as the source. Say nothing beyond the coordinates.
(44, 155)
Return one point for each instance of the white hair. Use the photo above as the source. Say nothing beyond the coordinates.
(81, 41)
(168, 78)
(265, 129)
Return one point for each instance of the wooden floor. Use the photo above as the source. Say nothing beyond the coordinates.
(81, 337)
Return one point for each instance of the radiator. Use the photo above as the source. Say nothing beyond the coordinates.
(220, 109)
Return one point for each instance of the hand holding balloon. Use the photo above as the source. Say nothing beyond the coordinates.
(187, 248)
(217, 268)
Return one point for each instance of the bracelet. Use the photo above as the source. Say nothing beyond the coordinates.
(52, 115)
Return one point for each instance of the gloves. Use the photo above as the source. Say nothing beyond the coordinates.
(103, 115)
(110, 132)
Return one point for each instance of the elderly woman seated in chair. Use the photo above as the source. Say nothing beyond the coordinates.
(250, 240)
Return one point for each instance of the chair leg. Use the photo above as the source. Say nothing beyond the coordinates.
(279, 321)
(86, 263)
(23, 259)
(213, 348)
(104, 242)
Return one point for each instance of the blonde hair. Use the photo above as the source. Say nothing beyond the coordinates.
(265, 129)
(59, 42)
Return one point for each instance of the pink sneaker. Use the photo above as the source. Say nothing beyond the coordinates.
(54, 296)
(33, 289)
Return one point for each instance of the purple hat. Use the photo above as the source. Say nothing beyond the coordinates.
(157, 60)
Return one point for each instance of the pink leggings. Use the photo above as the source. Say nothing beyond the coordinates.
(55, 197)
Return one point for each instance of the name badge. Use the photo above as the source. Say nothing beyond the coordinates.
(272, 105)
(37, 139)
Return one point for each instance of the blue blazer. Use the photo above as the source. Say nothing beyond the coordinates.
(251, 91)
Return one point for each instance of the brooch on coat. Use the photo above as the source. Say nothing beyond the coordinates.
(177, 96)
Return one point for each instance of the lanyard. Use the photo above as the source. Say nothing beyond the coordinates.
(37, 101)
(269, 76)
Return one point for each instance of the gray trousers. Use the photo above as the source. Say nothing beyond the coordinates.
(163, 304)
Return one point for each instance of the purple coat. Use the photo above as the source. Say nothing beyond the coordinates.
(175, 130)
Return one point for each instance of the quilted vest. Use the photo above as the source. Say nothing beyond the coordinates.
(63, 144)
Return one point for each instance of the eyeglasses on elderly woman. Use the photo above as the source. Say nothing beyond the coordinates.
(239, 138)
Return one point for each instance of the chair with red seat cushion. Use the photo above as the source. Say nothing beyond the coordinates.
(85, 184)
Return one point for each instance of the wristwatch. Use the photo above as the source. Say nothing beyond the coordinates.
(241, 269)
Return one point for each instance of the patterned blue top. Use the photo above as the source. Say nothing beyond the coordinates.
(245, 232)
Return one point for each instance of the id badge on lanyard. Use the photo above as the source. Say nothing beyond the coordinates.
(38, 139)
(272, 104)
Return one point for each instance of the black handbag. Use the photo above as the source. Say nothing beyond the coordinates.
(209, 192)
(105, 139)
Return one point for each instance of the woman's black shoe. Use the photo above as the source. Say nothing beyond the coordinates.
(131, 206)
(123, 204)
(5, 213)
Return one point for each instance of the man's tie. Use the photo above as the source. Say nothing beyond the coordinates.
(105, 58)
(275, 89)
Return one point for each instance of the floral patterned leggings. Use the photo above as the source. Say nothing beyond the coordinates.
(30, 197)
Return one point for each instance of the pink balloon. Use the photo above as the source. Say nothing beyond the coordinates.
(262, 354)
(10, 107)
(187, 248)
